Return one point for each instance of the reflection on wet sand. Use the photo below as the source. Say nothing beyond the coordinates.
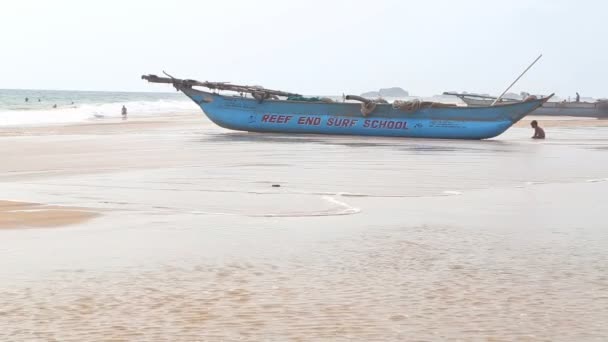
(366, 239)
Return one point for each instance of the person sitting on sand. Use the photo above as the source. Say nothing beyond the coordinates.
(124, 112)
(539, 133)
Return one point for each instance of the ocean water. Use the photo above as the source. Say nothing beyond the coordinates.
(93, 106)
(83, 106)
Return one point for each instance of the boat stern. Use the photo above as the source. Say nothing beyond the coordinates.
(528, 107)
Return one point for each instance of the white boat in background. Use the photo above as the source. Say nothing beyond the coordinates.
(598, 109)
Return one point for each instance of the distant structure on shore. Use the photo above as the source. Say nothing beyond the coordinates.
(387, 92)
(578, 108)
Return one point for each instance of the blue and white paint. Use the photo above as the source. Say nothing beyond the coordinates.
(247, 114)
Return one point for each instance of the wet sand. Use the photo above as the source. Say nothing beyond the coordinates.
(366, 239)
(564, 122)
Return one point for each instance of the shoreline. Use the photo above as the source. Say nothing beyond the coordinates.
(151, 121)
(157, 121)
(565, 121)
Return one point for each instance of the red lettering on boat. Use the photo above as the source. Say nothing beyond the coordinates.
(309, 121)
(265, 118)
(273, 118)
(283, 118)
(387, 124)
(338, 122)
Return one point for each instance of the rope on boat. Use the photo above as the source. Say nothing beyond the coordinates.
(367, 105)
(416, 105)
(368, 108)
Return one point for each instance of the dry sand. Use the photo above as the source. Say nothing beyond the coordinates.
(35, 215)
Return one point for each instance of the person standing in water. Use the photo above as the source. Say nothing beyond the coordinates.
(578, 97)
(539, 133)
(124, 112)
(27, 99)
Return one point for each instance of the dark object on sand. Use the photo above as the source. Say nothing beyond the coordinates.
(276, 185)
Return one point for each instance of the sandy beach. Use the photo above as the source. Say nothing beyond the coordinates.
(169, 228)
(23, 215)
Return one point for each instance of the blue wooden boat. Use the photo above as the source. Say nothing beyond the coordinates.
(256, 109)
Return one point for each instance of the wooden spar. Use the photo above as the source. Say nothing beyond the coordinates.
(358, 98)
(485, 97)
(259, 91)
(517, 79)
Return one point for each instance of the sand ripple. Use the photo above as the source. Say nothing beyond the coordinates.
(420, 283)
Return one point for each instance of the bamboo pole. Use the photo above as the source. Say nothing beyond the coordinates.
(517, 79)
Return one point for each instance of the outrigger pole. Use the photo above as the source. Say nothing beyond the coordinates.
(253, 90)
(517, 79)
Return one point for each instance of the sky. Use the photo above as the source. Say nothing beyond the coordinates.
(310, 47)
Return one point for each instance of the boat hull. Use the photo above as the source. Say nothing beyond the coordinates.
(245, 114)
